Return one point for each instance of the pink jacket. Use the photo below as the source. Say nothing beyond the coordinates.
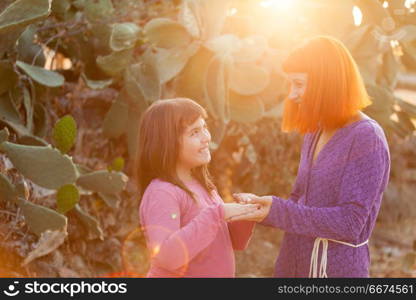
(186, 239)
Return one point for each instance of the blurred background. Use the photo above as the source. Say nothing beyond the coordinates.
(75, 76)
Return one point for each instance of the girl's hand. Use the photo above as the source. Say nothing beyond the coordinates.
(233, 210)
(260, 214)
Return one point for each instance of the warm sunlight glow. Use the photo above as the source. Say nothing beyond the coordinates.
(385, 4)
(358, 15)
(277, 4)
(232, 11)
(409, 3)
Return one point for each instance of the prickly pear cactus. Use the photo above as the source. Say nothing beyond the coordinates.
(65, 133)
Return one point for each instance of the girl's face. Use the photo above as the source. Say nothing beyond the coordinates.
(298, 82)
(194, 146)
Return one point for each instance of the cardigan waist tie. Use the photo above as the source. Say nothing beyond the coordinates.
(313, 270)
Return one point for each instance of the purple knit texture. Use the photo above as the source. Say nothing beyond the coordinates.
(336, 197)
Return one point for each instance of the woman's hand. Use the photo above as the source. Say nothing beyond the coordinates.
(233, 210)
(260, 214)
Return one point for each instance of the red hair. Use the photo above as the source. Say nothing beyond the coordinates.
(335, 90)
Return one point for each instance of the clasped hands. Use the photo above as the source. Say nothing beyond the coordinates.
(248, 207)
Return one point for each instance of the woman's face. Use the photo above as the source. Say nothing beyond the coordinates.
(299, 83)
(194, 146)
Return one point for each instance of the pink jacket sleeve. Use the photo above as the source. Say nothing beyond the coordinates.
(240, 233)
(171, 245)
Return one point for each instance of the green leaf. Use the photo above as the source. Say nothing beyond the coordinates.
(97, 84)
(49, 241)
(390, 69)
(252, 48)
(166, 33)
(248, 79)
(67, 197)
(7, 189)
(60, 8)
(114, 63)
(245, 109)
(41, 75)
(142, 80)
(218, 130)
(40, 120)
(147, 76)
(355, 37)
(98, 10)
(90, 222)
(103, 181)
(124, 36)
(382, 107)
(405, 121)
(45, 166)
(170, 62)
(407, 107)
(27, 49)
(211, 16)
(216, 91)
(65, 133)
(191, 81)
(40, 218)
(188, 20)
(4, 135)
(27, 101)
(116, 120)
(224, 46)
(112, 200)
(23, 12)
(10, 115)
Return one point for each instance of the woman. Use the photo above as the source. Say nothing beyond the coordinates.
(183, 217)
(343, 171)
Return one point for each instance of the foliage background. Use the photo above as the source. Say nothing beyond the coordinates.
(75, 76)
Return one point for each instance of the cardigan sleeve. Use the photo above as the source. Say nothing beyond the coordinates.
(173, 246)
(363, 182)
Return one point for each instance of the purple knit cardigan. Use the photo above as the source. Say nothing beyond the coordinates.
(336, 197)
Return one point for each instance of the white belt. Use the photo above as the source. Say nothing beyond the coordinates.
(314, 257)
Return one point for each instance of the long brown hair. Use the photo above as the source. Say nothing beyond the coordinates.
(161, 128)
(335, 90)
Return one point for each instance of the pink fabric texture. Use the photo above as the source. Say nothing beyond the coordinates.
(186, 239)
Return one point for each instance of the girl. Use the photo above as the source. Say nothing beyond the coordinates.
(183, 217)
(343, 171)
